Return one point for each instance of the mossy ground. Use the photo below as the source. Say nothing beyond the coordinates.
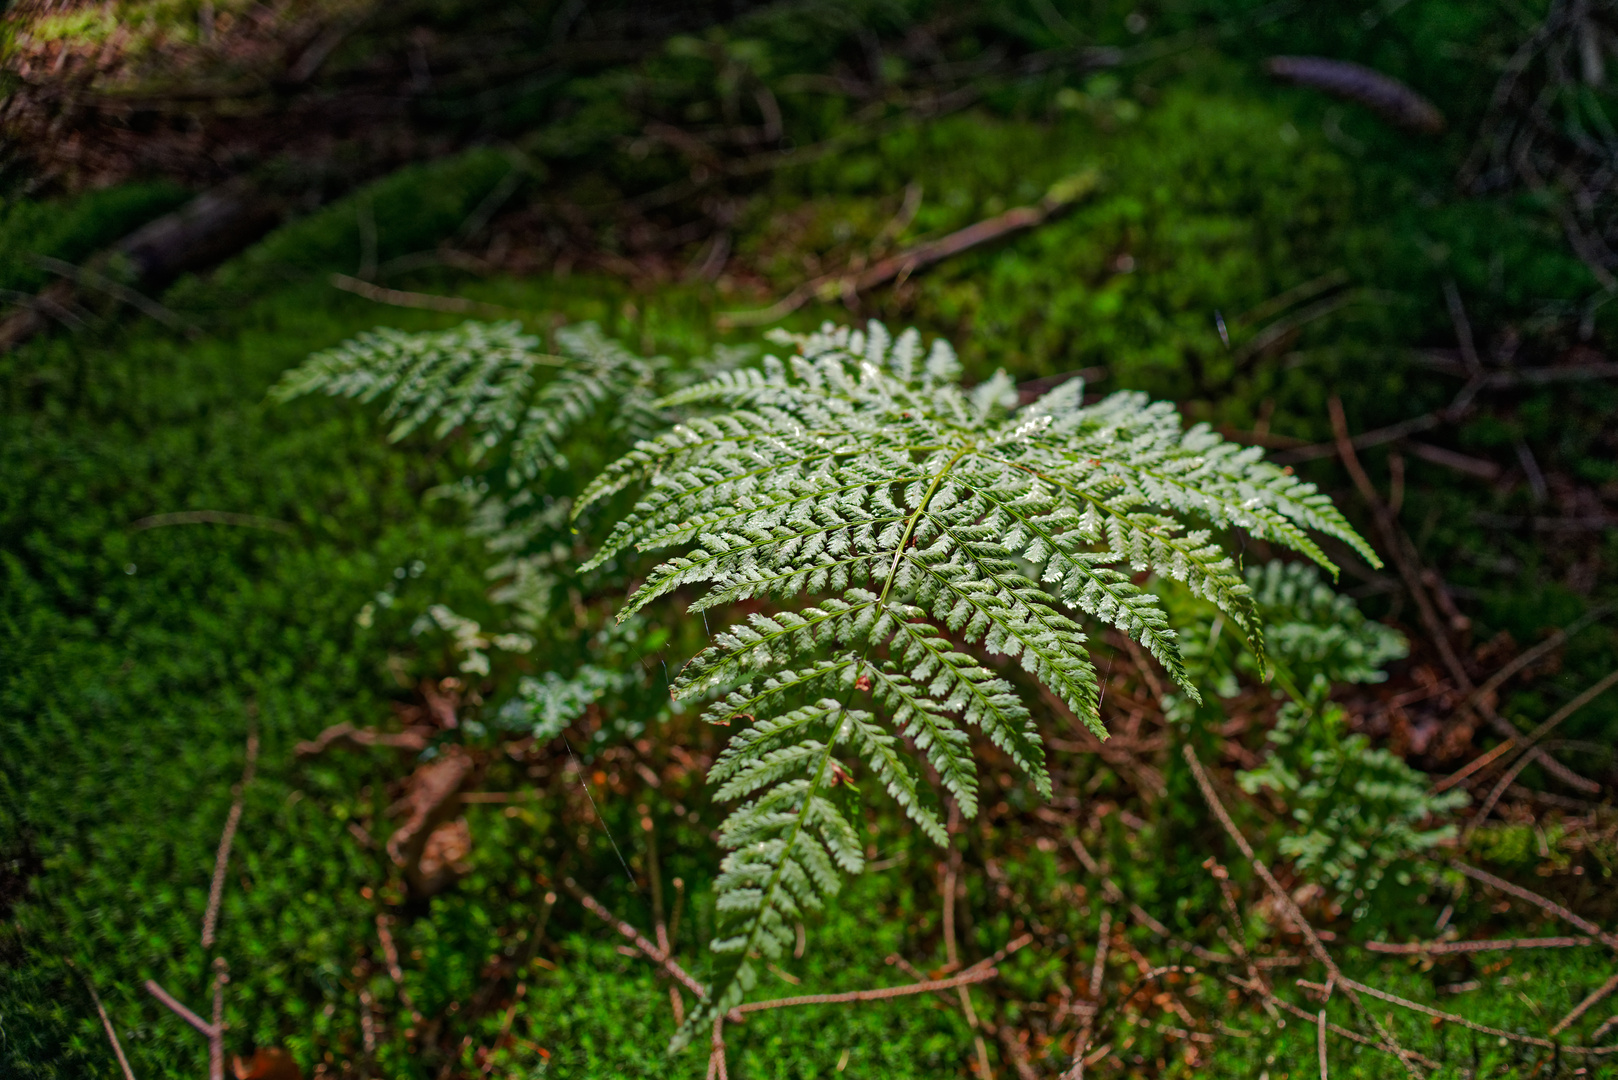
(133, 655)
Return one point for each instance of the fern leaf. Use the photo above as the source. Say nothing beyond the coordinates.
(908, 531)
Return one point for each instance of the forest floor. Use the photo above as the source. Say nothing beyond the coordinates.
(190, 568)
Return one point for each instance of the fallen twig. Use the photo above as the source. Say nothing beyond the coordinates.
(422, 301)
(1061, 196)
(965, 978)
(652, 951)
(112, 1036)
(1381, 93)
(1596, 996)
(1527, 743)
(1544, 903)
(216, 891)
(1422, 948)
(1285, 902)
(211, 517)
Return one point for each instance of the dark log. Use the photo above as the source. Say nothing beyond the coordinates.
(1383, 94)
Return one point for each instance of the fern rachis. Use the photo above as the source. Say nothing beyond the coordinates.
(897, 520)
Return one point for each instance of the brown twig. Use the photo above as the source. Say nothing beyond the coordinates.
(651, 951)
(1353, 1036)
(1596, 996)
(420, 301)
(716, 1052)
(899, 267)
(1098, 972)
(965, 978)
(1527, 743)
(214, 1032)
(211, 517)
(1287, 905)
(216, 891)
(112, 1036)
(390, 956)
(1421, 948)
(1543, 903)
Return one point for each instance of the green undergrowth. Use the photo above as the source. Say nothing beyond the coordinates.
(137, 650)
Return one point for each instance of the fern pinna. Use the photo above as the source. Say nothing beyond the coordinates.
(898, 521)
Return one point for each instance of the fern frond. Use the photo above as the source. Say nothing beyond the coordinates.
(909, 530)
(490, 379)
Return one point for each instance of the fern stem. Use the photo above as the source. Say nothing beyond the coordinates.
(910, 526)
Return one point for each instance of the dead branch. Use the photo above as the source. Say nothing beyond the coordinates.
(651, 951)
(412, 740)
(390, 956)
(1284, 899)
(1541, 902)
(1404, 558)
(216, 891)
(1596, 996)
(1353, 1036)
(1527, 743)
(421, 301)
(214, 1032)
(1422, 948)
(1383, 94)
(965, 978)
(900, 267)
(112, 1036)
(211, 517)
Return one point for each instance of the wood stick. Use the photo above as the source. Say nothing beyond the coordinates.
(1545, 904)
(652, 951)
(1418, 948)
(965, 978)
(112, 1036)
(216, 891)
(1342, 1032)
(1596, 996)
(216, 1034)
(179, 1010)
(1394, 540)
(899, 267)
(420, 301)
(1527, 743)
(1284, 900)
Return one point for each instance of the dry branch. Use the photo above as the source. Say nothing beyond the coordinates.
(965, 978)
(112, 1036)
(421, 301)
(1284, 899)
(652, 952)
(216, 891)
(1381, 93)
(1545, 904)
(899, 267)
(1596, 996)
(1422, 948)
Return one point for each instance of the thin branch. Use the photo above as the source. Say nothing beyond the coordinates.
(211, 517)
(179, 1010)
(421, 301)
(112, 1036)
(1527, 742)
(216, 1033)
(1555, 640)
(652, 951)
(1538, 901)
(1598, 995)
(123, 293)
(965, 978)
(1269, 998)
(216, 891)
(1422, 948)
(901, 266)
(1284, 899)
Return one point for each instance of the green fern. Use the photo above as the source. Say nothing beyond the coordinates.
(899, 521)
(486, 377)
